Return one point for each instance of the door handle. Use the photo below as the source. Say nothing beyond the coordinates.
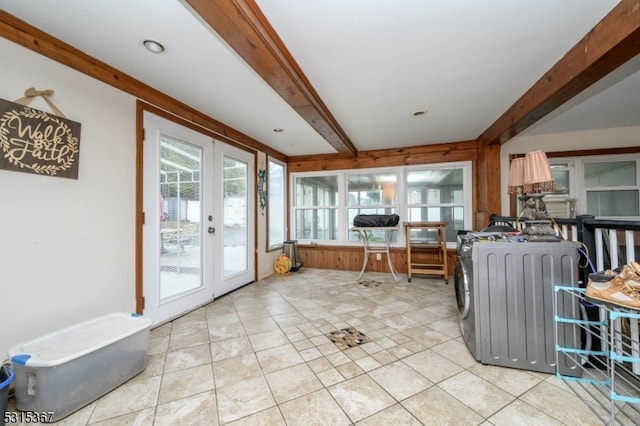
(211, 230)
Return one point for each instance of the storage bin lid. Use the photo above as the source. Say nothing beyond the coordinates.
(73, 342)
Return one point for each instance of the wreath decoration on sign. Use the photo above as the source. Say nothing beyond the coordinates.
(66, 150)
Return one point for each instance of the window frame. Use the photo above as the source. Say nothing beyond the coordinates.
(353, 236)
(343, 206)
(609, 159)
(466, 202)
(294, 208)
(577, 187)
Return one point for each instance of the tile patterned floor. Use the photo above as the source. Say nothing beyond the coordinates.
(261, 356)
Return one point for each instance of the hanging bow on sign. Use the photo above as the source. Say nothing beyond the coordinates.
(31, 93)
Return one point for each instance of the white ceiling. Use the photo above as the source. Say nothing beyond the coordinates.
(372, 62)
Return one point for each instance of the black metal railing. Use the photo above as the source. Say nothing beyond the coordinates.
(608, 243)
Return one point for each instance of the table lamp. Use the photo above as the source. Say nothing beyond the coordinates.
(528, 178)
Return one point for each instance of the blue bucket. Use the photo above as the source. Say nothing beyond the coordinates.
(6, 377)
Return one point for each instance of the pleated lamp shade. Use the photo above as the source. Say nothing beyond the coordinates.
(516, 176)
(537, 173)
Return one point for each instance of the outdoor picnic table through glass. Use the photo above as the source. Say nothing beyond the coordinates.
(376, 247)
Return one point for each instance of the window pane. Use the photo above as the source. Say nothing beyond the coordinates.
(435, 186)
(454, 216)
(372, 189)
(612, 203)
(275, 205)
(354, 236)
(374, 235)
(561, 175)
(610, 173)
(316, 191)
(320, 224)
(380, 210)
(437, 196)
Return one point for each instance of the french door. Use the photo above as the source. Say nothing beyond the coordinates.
(235, 263)
(198, 233)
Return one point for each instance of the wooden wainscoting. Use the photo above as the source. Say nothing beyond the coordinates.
(350, 258)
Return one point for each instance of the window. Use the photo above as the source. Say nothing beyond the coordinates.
(437, 195)
(611, 188)
(595, 185)
(371, 193)
(559, 203)
(325, 204)
(561, 173)
(276, 204)
(315, 209)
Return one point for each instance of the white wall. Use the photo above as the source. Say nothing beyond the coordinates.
(67, 246)
(568, 141)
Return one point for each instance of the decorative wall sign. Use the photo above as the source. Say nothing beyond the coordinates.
(33, 141)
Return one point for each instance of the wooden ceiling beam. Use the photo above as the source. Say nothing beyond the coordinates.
(246, 30)
(611, 43)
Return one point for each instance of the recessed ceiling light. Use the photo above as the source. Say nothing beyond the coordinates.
(278, 130)
(420, 113)
(153, 46)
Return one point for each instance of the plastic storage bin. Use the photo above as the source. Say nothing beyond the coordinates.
(64, 371)
(6, 378)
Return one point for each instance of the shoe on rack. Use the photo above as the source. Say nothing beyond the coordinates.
(610, 288)
(630, 274)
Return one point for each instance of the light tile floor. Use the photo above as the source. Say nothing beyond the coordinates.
(259, 356)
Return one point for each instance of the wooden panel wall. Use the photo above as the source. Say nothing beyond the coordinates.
(427, 154)
(486, 185)
(350, 258)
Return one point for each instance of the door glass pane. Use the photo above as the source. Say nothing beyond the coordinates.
(180, 217)
(235, 216)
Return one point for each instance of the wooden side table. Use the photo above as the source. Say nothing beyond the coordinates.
(427, 238)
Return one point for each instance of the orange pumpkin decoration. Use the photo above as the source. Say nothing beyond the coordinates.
(282, 265)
